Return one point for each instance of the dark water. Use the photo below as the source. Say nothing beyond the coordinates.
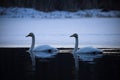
(15, 64)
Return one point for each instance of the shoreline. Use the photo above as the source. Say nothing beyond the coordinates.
(62, 50)
(70, 47)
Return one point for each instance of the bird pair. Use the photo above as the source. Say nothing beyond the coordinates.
(86, 53)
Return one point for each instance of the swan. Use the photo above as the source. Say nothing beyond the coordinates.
(41, 48)
(83, 54)
(86, 53)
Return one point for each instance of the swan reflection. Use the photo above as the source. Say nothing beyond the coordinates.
(84, 54)
(41, 55)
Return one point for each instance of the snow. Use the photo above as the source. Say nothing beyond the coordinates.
(31, 13)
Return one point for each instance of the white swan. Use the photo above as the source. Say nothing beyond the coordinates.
(41, 48)
(86, 53)
(42, 51)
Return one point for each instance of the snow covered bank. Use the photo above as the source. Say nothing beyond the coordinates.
(31, 13)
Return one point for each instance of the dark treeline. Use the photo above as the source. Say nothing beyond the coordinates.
(67, 5)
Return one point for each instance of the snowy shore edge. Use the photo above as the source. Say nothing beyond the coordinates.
(67, 50)
(32, 13)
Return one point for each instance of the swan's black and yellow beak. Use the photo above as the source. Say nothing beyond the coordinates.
(27, 35)
(72, 36)
(30, 35)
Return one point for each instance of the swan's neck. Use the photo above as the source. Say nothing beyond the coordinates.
(33, 43)
(76, 44)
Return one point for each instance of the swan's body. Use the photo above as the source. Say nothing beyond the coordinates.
(41, 48)
(86, 53)
(44, 48)
(88, 50)
(89, 54)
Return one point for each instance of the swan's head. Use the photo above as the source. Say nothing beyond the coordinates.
(30, 35)
(74, 35)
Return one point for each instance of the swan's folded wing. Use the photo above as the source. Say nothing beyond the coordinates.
(45, 48)
(88, 50)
